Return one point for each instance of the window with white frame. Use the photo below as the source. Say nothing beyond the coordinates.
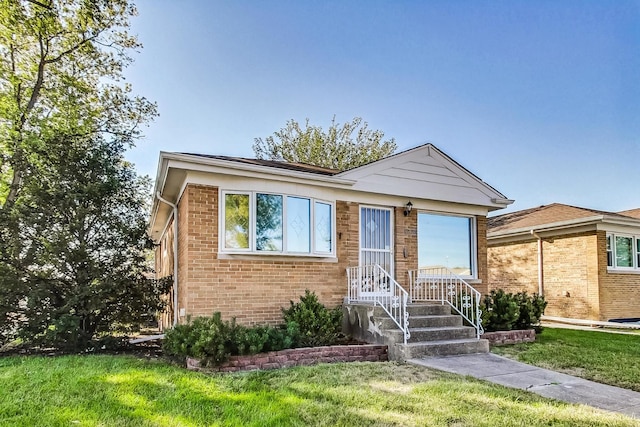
(623, 251)
(267, 223)
(447, 241)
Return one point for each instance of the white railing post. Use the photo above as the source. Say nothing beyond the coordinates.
(372, 283)
(439, 284)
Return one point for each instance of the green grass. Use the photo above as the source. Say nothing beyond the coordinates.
(604, 357)
(125, 391)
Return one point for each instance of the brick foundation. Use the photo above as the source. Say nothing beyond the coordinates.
(510, 337)
(298, 357)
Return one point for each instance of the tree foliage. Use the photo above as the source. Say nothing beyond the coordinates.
(61, 64)
(75, 250)
(342, 147)
(72, 210)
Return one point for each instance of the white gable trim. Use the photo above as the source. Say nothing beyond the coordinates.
(447, 179)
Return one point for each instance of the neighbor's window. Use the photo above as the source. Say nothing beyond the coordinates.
(446, 241)
(277, 223)
(623, 252)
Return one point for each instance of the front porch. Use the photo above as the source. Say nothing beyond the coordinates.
(438, 314)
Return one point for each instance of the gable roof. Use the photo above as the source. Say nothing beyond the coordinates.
(428, 173)
(421, 173)
(553, 216)
(633, 213)
(295, 166)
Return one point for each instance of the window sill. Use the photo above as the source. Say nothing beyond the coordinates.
(276, 257)
(621, 271)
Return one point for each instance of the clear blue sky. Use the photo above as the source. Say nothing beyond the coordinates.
(541, 99)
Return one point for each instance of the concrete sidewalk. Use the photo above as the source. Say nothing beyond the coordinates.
(507, 372)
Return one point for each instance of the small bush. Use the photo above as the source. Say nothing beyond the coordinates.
(316, 325)
(212, 341)
(500, 311)
(531, 310)
(503, 311)
(208, 339)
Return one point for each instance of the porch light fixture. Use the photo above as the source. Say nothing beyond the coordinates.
(407, 208)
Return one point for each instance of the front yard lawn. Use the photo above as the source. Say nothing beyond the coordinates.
(125, 391)
(608, 358)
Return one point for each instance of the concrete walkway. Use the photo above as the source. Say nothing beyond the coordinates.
(507, 372)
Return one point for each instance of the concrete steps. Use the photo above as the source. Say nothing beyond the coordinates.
(434, 331)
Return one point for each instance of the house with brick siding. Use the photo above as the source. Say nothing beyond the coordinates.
(245, 236)
(585, 262)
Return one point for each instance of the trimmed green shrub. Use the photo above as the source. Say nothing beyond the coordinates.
(531, 310)
(500, 311)
(212, 340)
(316, 324)
(503, 311)
(208, 339)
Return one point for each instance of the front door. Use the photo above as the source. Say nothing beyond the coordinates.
(376, 247)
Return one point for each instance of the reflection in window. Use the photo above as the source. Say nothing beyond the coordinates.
(298, 224)
(624, 251)
(445, 241)
(323, 227)
(236, 220)
(268, 222)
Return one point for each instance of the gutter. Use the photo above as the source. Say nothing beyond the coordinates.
(540, 263)
(175, 256)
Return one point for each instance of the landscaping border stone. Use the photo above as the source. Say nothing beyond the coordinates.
(510, 337)
(297, 357)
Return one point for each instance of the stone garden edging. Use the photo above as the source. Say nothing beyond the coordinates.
(510, 337)
(297, 357)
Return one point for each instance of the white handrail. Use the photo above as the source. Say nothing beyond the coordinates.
(372, 283)
(442, 285)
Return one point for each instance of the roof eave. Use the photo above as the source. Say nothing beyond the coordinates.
(521, 231)
(269, 170)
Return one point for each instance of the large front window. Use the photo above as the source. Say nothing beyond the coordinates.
(623, 251)
(276, 223)
(446, 241)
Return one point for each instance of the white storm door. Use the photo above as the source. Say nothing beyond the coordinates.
(376, 247)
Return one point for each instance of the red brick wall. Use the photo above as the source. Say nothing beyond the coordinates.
(254, 290)
(406, 245)
(619, 292)
(481, 238)
(570, 272)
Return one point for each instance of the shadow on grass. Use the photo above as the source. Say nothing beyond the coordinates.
(123, 391)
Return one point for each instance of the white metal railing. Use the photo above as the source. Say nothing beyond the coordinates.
(442, 285)
(372, 283)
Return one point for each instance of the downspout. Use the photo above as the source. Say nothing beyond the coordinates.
(540, 265)
(175, 256)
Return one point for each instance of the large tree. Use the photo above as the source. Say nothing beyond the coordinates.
(341, 147)
(74, 256)
(72, 211)
(61, 72)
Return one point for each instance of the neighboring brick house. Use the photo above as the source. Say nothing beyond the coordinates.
(251, 235)
(585, 262)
